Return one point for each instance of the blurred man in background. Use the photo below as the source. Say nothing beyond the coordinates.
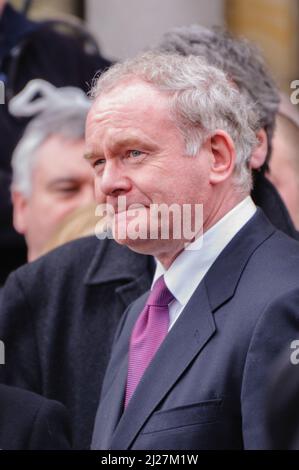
(50, 177)
(28, 50)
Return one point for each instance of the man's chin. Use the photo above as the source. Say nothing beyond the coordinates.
(127, 229)
(141, 246)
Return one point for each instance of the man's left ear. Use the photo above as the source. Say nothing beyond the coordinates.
(224, 156)
(259, 154)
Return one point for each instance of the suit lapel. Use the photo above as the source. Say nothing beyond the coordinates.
(112, 398)
(193, 329)
(223, 277)
(132, 274)
(115, 263)
(111, 408)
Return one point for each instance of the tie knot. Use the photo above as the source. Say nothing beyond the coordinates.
(160, 294)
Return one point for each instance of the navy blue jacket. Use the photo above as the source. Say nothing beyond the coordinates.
(206, 388)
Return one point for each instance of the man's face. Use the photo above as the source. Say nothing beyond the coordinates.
(61, 182)
(137, 151)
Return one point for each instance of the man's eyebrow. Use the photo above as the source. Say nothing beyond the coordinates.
(130, 141)
(72, 180)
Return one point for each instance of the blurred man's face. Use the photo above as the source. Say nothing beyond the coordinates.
(61, 182)
(284, 166)
(138, 153)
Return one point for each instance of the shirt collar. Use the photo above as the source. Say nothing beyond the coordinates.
(195, 261)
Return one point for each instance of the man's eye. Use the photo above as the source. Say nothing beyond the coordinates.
(135, 153)
(99, 162)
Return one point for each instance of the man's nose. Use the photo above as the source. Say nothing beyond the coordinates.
(113, 181)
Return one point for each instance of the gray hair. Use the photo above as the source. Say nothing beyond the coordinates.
(239, 59)
(202, 100)
(61, 111)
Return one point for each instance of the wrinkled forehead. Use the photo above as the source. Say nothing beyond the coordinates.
(134, 105)
(130, 96)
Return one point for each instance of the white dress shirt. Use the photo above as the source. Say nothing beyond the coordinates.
(190, 267)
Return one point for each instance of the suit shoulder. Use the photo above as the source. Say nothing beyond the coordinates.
(281, 249)
(30, 421)
(17, 398)
(18, 405)
(77, 253)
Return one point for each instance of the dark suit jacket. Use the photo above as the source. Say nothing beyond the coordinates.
(206, 386)
(283, 404)
(31, 422)
(58, 317)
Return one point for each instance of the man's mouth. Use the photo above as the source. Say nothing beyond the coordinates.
(130, 209)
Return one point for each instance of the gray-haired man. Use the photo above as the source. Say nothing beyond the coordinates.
(191, 358)
(50, 177)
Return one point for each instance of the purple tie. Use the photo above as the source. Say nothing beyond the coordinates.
(148, 333)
